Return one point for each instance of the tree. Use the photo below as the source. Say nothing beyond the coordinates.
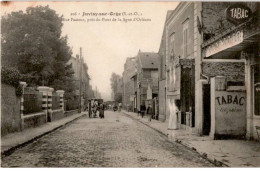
(118, 97)
(116, 86)
(32, 43)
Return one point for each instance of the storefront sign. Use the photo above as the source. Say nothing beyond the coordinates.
(230, 103)
(238, 13)
(229, 99)
(224, 43)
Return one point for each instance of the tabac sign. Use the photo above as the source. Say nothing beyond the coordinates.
(238, 13)
(224, 43)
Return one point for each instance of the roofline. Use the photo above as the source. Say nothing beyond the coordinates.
(177, 10)
(164, 27)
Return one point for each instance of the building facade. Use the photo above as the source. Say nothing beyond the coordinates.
(230, 58)
(212, 68)
(162, 75)
(180, 60)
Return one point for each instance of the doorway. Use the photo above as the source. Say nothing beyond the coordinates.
(206, 109)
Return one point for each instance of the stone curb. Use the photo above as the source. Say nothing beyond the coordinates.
(14, 148)
(203, 154)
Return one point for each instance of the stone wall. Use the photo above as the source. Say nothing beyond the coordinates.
(10, 110)
(69, 113)
(214, 17)
(34, 120)
(233, 71)
(57, 114)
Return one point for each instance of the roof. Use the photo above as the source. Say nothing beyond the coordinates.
(148, 60)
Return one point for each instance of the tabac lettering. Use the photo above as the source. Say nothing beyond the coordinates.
(229, 99)
(239, 13)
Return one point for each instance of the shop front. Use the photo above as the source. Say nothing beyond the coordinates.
(230, 63)
(181, 94)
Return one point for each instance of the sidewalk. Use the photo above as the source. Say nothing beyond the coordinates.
(229, 153)
(13, 141)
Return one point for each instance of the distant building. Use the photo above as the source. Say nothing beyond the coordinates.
(128, 83)
(146, 77)
(85, 77)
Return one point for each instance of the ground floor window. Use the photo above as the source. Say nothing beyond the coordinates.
(257, 88)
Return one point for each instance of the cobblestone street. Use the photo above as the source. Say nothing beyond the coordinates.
(115, 141)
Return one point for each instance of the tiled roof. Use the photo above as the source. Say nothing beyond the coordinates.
(149, 60)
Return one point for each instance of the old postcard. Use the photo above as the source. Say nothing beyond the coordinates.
(130, 84)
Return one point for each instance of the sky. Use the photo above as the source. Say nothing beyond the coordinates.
(107, 43)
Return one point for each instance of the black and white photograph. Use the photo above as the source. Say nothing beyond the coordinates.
(130, 84)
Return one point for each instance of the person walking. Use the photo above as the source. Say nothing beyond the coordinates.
(119, 107)
(101, 111)
(150, 112)
(143, 109)
(89, 109)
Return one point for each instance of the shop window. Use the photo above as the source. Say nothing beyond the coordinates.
(185, 89)
(257, 89)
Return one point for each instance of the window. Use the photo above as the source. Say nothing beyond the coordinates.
(172, 79)
(171, 73)
(257, 89)
(172, 52)
(185, 38)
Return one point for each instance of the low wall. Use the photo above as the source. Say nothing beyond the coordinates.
(10, 110)
(228, 111)
(70, 112)
(34, 120)
(233, 71)
(57, 114)
(230, 114)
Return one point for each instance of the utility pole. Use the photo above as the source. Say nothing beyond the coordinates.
(80, 78)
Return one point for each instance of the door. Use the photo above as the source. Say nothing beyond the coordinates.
(206, 109)
(188, 93)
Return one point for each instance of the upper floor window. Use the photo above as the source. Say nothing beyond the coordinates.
(185, 38)
(172, 49)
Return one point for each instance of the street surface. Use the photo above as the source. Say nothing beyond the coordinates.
(115, 141)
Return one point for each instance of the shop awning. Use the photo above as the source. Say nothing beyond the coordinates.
(230, 41)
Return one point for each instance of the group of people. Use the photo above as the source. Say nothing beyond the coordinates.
(94, 107)
(149, 111)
